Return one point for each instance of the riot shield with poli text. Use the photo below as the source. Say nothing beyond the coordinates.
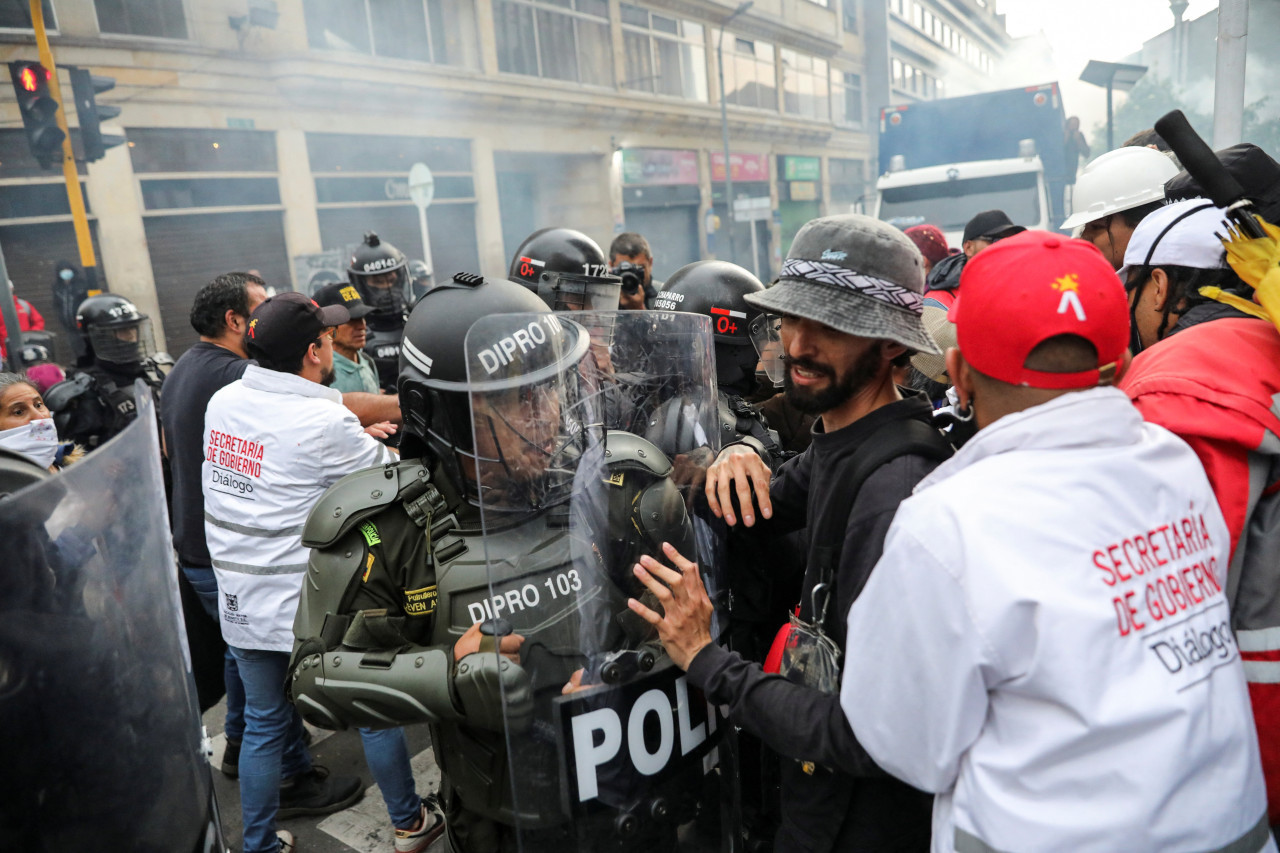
(608, 746)
(103, 742)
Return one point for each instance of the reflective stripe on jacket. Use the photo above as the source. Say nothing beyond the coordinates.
(1045, 643)
(1217, 386)
(273, 443)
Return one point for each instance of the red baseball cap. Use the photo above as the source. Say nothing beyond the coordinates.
(931, 242)
(1025, 289)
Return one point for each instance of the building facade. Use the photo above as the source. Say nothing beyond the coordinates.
(271, 135)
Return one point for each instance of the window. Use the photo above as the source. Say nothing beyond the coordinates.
(848, 185)
(423, 30)
(175, 193)
(558, 39)
(917, 16)
(16, 15)
(846, 97)
(896, 65)
(950, 204)
(749, 73)
(155, 18)
(156, 149)
(338, 152)
(664, 55)
(805, 86)
(899, 8)
(849, 14)
(823, 3)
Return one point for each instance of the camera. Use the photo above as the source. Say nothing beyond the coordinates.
(632, 276)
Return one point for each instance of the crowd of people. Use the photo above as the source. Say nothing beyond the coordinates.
(915, 548)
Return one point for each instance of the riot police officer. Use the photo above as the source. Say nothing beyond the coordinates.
(379, 271)
(480, 583)
(767, 571)
(716, 289)
(421, 279)
(97, 401)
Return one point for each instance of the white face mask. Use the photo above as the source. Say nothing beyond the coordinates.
(37, 439)
(66, 275)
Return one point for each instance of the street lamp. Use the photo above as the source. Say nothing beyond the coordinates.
(1112, 76)
(724, 126)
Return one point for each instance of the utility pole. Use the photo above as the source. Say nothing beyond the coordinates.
(1228, 81)
(75, 198)
(724, 129)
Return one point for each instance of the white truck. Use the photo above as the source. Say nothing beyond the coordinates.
(944, 161)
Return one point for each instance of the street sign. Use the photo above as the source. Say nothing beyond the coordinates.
(422, 189)
(752, 209)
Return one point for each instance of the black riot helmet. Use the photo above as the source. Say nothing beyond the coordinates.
(380, 273)
(717, 289)
(116, 331)
(444, 375)
(549, 250)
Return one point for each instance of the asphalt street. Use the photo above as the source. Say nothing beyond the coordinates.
(363, 827)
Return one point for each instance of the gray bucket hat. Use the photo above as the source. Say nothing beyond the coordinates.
(857, 275)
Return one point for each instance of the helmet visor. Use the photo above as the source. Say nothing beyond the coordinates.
(766, 336)
(123, 343)
(528, 413)
(384, 292)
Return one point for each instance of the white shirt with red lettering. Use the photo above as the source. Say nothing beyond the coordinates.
(274, 442)
(1046, 645)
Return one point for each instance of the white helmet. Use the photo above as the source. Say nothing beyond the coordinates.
(1119, 180)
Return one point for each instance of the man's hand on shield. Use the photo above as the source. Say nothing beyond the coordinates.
(381, 430)
(685, 623)
(469, 643)
(739, 470)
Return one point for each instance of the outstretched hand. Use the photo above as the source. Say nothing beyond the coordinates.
(739, 470)
(684, 626)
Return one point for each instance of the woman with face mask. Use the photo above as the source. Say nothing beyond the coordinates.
(26, 426)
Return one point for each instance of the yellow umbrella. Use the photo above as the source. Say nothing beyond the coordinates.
(1257, 261)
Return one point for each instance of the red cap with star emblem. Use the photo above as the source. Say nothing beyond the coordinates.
(1026, 289)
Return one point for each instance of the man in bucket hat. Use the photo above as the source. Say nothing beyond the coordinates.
(849, 299)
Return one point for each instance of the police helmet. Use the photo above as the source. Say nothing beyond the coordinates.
(420, 280)
(441, 369)
(717, 289)
(555, 250)
(375, 258)
(115, 330)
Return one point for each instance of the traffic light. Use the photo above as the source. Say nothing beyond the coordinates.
(86, 87)
(39, 111)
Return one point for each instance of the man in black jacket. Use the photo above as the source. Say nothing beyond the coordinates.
(850, 302)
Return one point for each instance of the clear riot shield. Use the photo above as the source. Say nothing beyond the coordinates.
(103, 743)
(572, 492)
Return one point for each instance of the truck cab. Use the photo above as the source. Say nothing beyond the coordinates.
(949, 195)
(943, 161)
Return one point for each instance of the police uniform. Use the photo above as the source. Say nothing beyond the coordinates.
(396, 579)
(409, 556)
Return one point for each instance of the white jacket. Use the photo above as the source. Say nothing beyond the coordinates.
(274, 442)
(1045, 644)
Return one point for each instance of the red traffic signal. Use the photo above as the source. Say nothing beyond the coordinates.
(30, 80)
(39, 111)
